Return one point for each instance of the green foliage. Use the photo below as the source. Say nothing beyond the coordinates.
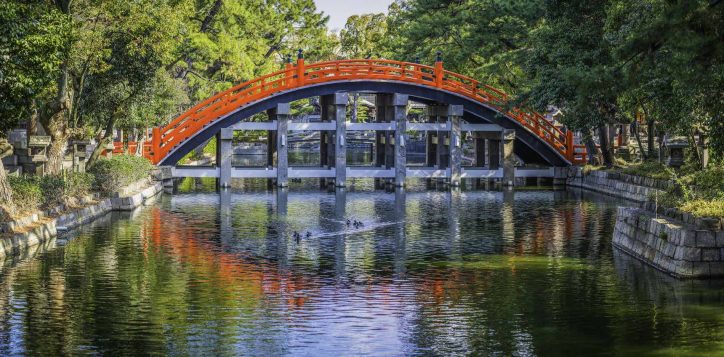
(652, 169)
(700, 193)
(27, 193)
(704, 208)
(118, 171)
(485, 39)
(31, 193)
(33, 38)
(363, 35)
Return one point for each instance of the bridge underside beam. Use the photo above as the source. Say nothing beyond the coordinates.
(360, 172)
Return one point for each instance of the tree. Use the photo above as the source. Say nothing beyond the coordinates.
(485, 39)
(363, 35)
(228, 42)
(570, 65)
(671, 55)
(31, 47)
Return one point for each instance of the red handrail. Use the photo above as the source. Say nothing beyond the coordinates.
(165, 138)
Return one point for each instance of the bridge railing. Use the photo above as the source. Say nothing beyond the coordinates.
(164, 139)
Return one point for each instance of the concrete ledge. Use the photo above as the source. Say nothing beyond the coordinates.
(40, 228)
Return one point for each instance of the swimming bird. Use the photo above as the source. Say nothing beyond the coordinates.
(309, 234)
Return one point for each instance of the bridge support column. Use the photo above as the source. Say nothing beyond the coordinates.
(340, 145)
(399, 102)
(282, 117)
(508, 139)
(494, 152)
(224, 152)
(454, 114)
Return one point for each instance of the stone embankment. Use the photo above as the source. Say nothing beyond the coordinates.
(634, 188)
(31, 230)
(672, 241)
(681, 249)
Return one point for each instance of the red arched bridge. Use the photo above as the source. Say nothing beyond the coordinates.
(542, 141)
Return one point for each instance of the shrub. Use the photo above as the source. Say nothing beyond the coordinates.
(704, 208)
(53, 190)
(700, 193)
(118, 171)
(27, 194)
(78, 184)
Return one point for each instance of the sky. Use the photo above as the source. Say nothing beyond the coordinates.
(340, 10)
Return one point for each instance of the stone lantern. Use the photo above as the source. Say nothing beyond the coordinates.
(676, 146)
(34, 157)
(80, 154)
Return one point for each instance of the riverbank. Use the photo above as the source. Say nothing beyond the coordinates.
(668, 232)
(27, 231)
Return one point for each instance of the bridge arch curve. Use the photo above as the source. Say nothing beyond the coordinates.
(534, 148)
(541, 140)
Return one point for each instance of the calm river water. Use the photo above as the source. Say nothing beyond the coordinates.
(428, 273)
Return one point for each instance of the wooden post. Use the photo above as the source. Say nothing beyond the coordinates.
(570, 151)
(439, 71)
(300, 68)
(156, 145)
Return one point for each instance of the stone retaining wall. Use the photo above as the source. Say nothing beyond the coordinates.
(682, 250)
(35, 229)
(634, 188)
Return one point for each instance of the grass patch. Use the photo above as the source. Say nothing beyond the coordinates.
(118, 171)
(704, 208)
(650, 169)
(700, 193)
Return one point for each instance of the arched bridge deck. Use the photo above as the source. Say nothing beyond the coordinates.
(480, 104)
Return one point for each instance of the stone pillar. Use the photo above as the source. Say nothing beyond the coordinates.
(282, 199)
(479, 144)
(508, 139)
(442, 137)
(282, 147)
(493, 154)
(226, 230)
(340, 145)
(224, 152)
(454, 114)
(399, 103)
(430, 149)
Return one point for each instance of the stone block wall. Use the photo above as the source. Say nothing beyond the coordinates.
(679, 249)
(634, 188)
(35, 229)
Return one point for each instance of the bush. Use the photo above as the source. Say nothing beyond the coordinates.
(118, 171)
(27, 195)
(78, 184)
(700, 193)
(704, 208)
(31, 193)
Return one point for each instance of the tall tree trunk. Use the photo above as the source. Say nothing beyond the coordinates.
(105, 140)
(637, 134)
(58, 131)
(606, 149)
(650, 130)
(591, 149)
(58, 123)
(704, 150)
(6, 193)
(691, 138)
